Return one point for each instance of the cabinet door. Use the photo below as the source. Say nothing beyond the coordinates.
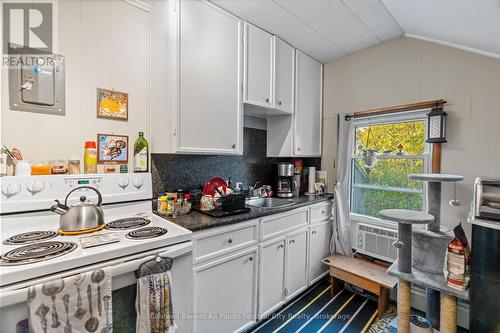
(319, 248)
(223, 287)
(210, 98)
(308, 106)
(258, 66)
(272, 276)
(284, 73)
(296, 277)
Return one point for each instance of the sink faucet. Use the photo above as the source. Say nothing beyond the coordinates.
(253, 191)
(255, 185)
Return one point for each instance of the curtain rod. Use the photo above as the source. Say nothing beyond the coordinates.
(397, 108)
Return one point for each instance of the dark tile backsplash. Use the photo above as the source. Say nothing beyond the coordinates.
(172, 171)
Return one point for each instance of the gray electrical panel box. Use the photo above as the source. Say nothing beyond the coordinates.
(38, 88)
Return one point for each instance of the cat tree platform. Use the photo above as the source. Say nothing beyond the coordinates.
(449, 296)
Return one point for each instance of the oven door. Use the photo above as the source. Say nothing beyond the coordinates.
(14, 312)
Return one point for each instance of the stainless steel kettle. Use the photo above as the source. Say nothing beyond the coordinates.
(83, 216)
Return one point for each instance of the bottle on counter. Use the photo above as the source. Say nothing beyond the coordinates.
(90, 157)
(141, 153)
(186, 205)
(170, 205)
(230, 182)
(162, 204)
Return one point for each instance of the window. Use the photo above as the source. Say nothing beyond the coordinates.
(399, 146)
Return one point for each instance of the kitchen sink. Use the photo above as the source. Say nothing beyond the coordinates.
(268, 203)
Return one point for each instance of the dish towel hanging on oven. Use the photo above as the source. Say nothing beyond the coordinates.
(76, 304)
(154, 304)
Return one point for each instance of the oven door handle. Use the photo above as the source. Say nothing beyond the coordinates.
(118, 267)
(132, 265)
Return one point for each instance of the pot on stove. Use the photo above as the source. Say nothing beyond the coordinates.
(81, 217)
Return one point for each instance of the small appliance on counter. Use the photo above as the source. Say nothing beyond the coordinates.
(286, 182)
(485, 271)
(487, 198)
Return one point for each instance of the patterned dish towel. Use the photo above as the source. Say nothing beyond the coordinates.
(75, 304)
(154, 304)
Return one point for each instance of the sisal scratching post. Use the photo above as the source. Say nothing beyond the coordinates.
(448, 314)
(404, 305)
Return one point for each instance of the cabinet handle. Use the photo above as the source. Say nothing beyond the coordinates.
(251, 258)
(314, 232)
(292, 241)
(323, 212)
(267, 100)
(230, 240)
(298, 148)
(280, 246)
(279, 102)
(233, 145)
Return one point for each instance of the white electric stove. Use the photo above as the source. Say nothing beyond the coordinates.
(32, 251)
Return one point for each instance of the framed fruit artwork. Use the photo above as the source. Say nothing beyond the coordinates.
(112, 104)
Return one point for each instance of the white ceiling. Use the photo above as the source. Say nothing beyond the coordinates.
(329, 29)
(469, 24)
(325, 29)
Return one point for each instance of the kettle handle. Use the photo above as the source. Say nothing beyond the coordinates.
(99, 196)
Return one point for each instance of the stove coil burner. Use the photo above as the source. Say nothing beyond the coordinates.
(128, 223)
(36, 252)
(147, 232)
(29, 237)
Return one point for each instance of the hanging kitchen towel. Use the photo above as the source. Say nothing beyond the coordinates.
(154, 304)
(76, 304)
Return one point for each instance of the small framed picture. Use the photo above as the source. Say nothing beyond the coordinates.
(112, 148)
(112, 104)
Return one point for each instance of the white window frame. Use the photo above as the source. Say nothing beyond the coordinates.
(419, 115)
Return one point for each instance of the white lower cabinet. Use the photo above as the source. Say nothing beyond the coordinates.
(319, 240)
(272, 276)
(240, 277)
(283, 270)
(296, 262)
(225, 295)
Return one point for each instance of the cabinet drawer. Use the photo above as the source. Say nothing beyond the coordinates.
(276, 225)
(226, 241)
(320, 213)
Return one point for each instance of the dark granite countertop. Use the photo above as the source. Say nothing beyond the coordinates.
(195, 221)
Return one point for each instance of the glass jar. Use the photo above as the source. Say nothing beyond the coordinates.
(74, 167)
(58, 167)
(40, 168)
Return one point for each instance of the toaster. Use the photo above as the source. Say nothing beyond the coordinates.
(487, 198)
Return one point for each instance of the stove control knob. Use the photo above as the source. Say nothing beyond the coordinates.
(36, 186)
(123, 182)
(138, 182)
(10, 189)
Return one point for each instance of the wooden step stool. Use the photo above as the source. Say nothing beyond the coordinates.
(363, 274)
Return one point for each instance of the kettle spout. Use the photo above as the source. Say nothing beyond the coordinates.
(59, 208)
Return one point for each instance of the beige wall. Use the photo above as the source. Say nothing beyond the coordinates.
(407, 70)
(106, 44)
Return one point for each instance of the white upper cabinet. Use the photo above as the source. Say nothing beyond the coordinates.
(308, 106)
(300, 134)
(269, 72)
(284, 73)
(202, 112)
(258, 66)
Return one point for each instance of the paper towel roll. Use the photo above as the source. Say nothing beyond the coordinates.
(312, 180)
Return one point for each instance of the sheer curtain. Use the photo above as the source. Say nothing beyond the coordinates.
(342, 235)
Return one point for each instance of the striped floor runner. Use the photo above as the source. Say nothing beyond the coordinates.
(317, 311)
